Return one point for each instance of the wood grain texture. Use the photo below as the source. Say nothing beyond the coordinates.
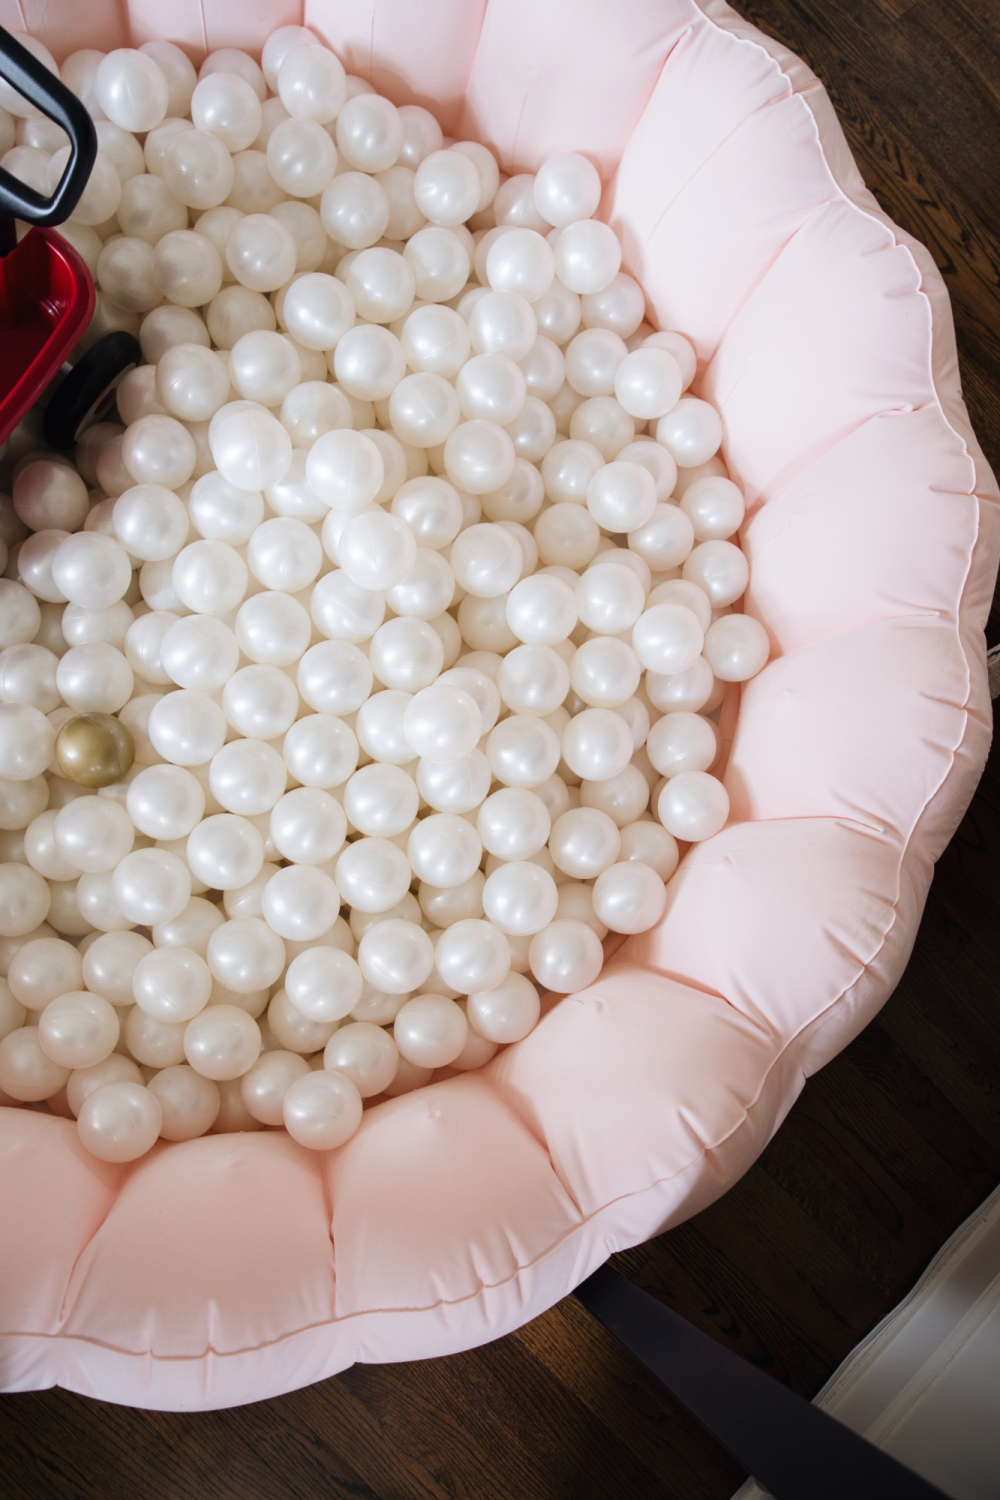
(889, 1148)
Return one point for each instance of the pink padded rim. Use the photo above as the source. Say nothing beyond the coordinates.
(234, 1268)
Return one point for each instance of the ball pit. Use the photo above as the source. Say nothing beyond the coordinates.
(628, 1108)
(512, 653)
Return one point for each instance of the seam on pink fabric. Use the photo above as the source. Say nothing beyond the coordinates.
(487, 1080)
(832, 441)
(818, 1019)
(67, 1312)
(463, 107)
(766, 270)
(517, 129)
(678, 39)
(652, 89)
(788, 477)
(687, 983)
(940, 616)
(204, 24)
(736, 127)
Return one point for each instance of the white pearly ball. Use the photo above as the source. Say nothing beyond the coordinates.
(693, 806)
(566, 956)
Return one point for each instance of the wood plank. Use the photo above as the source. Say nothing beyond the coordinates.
(759, 1273)
(530, 1425)
(619, 1392)
(919, 1102)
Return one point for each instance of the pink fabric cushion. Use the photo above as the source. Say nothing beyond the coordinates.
(233, 1268)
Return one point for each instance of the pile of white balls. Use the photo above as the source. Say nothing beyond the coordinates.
(411, 572)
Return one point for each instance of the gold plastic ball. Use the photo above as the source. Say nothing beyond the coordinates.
(94, 749)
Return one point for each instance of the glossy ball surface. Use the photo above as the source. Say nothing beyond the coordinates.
(94, 749)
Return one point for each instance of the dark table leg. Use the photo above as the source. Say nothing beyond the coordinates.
(791, 1447)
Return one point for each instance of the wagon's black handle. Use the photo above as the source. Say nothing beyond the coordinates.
(29, 77)
(791, 1447)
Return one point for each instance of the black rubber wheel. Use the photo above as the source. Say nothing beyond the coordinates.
(88, 391)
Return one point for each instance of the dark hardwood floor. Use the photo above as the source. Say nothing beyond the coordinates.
(889, 1148)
